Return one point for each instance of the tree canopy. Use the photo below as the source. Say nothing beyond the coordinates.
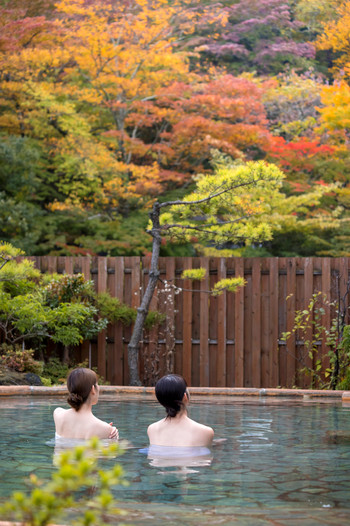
(106, 107)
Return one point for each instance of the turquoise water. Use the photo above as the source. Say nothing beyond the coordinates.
(273, 463)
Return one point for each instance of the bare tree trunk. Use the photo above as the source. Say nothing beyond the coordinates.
(66, 354)
(142, 311)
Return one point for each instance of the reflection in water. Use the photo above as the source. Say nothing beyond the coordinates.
(257, 434)
(61, 445)
(182, 458)
(274, 457)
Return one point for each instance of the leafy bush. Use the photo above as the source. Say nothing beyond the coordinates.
(21, 360)
(55, 371)
(153, 318)
(114, 310)
(78, 489)
(65, 288)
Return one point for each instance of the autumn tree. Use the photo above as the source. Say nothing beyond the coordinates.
(236, 204)
(102, 94)
(261, 36)
(335, 37)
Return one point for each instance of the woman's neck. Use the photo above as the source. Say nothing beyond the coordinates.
(86, 408)
(182, 414)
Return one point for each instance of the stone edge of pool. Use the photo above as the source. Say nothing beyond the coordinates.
(31, 390)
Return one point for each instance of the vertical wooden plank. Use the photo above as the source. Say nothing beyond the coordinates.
(187, 324)
(239, 326)
(161, 329)
(265, 323)
(52, 264)
(178, 318)
(248, 309)
(291, 347)
(343, 283)
(204, 326)
(114, 357)
(256, 323)
(273, 322)
(143, 344)
(127, 330)
(170, 317)
(153, 364)
(196, 327)
(326, 318)
(133, 265)
(69, 265)
(230, 328)
(213, 323)
(85, 263)
(135, 281)
(118, 355)
(306, 360)
(282, 319)
(221, 347)
(101, 338)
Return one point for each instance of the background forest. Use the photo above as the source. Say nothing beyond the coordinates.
(106, 106)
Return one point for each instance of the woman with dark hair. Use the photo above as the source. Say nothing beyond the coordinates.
(177, 429)
(79, 422)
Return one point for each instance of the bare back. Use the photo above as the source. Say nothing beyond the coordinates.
(79, 424)
(180, 431)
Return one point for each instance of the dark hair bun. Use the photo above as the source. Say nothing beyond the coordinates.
(170, 390)
(79, 384)
(75, 400)
(171, 411)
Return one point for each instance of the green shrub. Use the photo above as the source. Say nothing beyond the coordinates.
(46, 382)
(17, 359)
(56, 371)
(79, 492)
(153, 318)
(114, 310)
(344, 384)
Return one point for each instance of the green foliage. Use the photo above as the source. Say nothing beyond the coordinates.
(22, 317)
(79, 492)
(194, 273)
(154, 318)
(69, 288)
(21, 360)
(308, 328)
(344, 361)
(72, 323)
(241, 204)
(228, 284)
(56, 371)
(114, 310)
(226, 206)
(344, 384)
(46, 382)
(8, 253)
(16, 277)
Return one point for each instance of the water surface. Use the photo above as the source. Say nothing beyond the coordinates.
(274, 464)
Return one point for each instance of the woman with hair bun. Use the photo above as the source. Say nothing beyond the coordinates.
(79, 422)
(177, 429)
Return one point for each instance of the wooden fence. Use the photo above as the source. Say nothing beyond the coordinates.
(233, 340)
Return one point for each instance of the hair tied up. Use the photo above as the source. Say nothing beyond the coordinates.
(171, 411)
(75, 400)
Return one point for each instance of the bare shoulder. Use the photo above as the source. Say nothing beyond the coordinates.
(102, 428)
(206, 429)
(206, 432)
(59, 411)
(154, 427)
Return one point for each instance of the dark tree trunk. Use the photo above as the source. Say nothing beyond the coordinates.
(142, 311)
